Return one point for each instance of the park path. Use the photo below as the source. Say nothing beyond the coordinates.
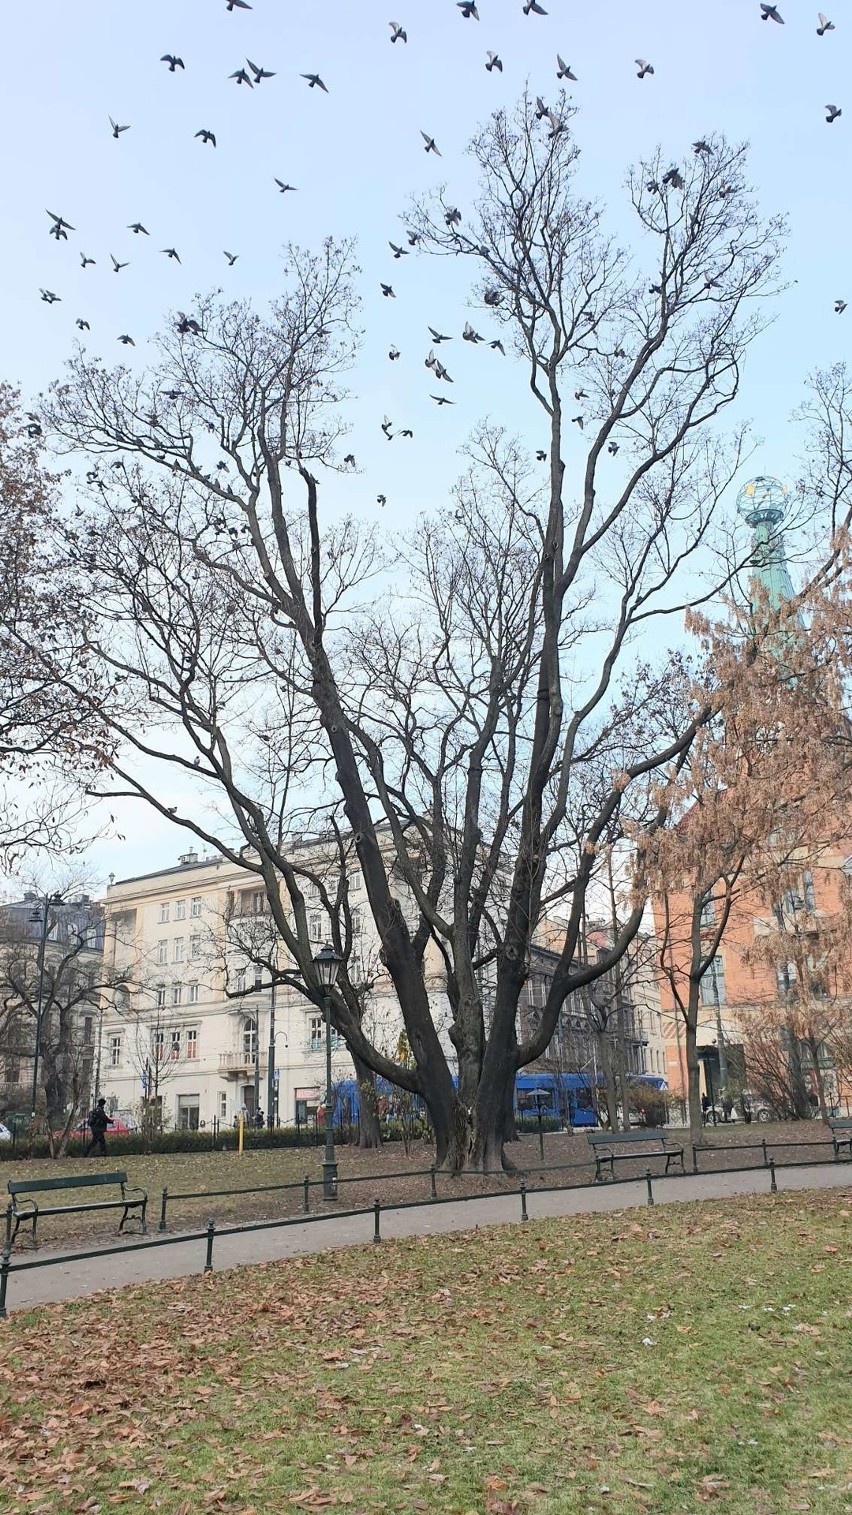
(160, 1259)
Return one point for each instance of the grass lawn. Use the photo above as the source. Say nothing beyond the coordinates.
(644, 1361)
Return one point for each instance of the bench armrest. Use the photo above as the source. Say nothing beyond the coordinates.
(127, 1189)
(22, 1206)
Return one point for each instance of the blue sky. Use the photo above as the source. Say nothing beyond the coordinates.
(356, 155)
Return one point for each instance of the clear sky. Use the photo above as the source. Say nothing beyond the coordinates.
(355, 155)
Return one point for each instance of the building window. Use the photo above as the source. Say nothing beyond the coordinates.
(315, 1033)
(115, 1051)
(357, 923)
(192, 1044)
(162, 952)
(174, 1048)
(241, 980)
(249, 1039)
(177, 956)
(258, 902)
(223, 1104)
(180, 910)
(315, 928)
(195, 946)
(88, 1030)
(187, 1112)
(192, 994)
(808, 890)
(713, 984)
(161, 996)
(177, 993)
(158, 1043)
(12, 1070)
(355, 879)
(195, 906)
(708, 912)
(164, 912)
(258, 976)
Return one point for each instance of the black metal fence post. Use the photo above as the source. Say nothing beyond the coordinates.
(773, 1182)
(9, 1224)
(524, 1215)
(434, 1191)
(765, 1158)
(650, 1186)
(694, 1158)
(4, 1279)
(377, 1211)
(306, 1200)
(163, 1203)
(211, 1231)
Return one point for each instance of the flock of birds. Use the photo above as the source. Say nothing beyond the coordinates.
(251, 75)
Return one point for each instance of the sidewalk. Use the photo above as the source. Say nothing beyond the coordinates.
(163, 1259)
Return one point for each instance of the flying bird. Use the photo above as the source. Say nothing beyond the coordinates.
(60, 227)
(206, 136)
(833, 111)
(494, 61)
(497, 346)
(492, 297)
(438, 336)
(186, 324)
(241, 77)
(260, 73)
(643, 67)
(673, 178)
(49, 297)
(393, 354)
(453, 216)
(702, 147)
(172, 61)
(824, 25)
(381, 499)
(541, 110)
(578, 421)
(232, 258)
(563, 70)
(468, 9)
(350, 459)
(240, 5)
(116, 129)
(398, 252)
(431, 145)
(442, 399)
(413, 238)
(116, 266)
(387, 291)
(469, 335)
(612, 448)
(770, 13)
(386, 428)
(83, 325)
(171, 252)
(580, 394)
(284, 187)
(540, 455)
(557, 125)
(533, 5)
(406, 432)
(137, 227)
(128, 341)
(397, 33)
(839, 307)
(313, 81)
(84, 261)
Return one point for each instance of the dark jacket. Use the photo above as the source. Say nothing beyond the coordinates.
(98, 1121)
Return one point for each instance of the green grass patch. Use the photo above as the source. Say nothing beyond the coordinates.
(633, 1362)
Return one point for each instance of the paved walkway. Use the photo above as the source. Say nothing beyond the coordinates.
(161, 1258)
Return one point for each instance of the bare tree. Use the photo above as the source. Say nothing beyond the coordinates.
(453, 758)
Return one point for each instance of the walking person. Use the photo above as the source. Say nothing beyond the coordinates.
(97, 1123)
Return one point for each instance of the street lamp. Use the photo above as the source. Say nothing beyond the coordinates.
(327, 965)
(41, 915)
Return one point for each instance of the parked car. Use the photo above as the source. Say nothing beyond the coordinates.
(81, 1130)
(5, 1133)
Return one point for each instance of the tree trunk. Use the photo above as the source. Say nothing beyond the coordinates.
(693, 1068)
(370, 1126)
(798, 1086)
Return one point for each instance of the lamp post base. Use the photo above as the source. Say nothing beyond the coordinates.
(329, 1168)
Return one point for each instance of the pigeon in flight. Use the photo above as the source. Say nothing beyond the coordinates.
(673, 178)
(116, 129)
(172, 61)
(49, 297)
(83, 325)
(492, 297)
(284, 187)
(241, 77)
(381, 499)
(393, 354)
(431, 146)
(494, 61)
(438, 336)
(116, 266)
(839, 307)
(497, 346)
(563, 70)
(580, 394)
(84, 261)
(644, 67)
(612, 448)
(833, 111)
(702, 147)
(413, 238)
(541, 110)
(260, 73)
(578, 421)
(453, 216)
(442, 399)
(557, 125)
(171, 252)
(206, 136)
(187, 324)
(406, 432)
(136, 227)
(770, 13)
(824, 25)
(232, 258)
(350, 459)
(540, 455)
(313, 81)
(386, 428)
(387, 291)
(469, 335)
(533, 5)
(398, 252)
(60, 227)
(240, 5)
(468, 9)
(128, 342)
(397, 32)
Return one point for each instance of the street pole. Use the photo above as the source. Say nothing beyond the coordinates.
(720, 1043)
(256, 1066)
(270, 1067)
(46, 903)
(329, 1167)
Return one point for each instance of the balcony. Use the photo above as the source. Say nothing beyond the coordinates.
(237, 1063)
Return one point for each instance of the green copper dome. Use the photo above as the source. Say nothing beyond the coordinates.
(763, 503)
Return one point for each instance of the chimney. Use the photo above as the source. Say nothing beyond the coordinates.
(188, 857)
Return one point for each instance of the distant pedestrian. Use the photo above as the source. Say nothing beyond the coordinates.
(727, 1106)
(705, 1105)
(98, 1122)
(258, 1120)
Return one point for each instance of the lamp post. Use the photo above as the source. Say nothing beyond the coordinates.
(41, 915)
(270, 1062)
(327, 965)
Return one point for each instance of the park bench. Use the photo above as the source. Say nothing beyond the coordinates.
(841, 1133)
(605, 1144)
(24, 1207)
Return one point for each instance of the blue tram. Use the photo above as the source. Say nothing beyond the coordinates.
(567, 1099)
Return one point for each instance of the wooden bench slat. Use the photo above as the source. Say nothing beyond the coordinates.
(78, 1181)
